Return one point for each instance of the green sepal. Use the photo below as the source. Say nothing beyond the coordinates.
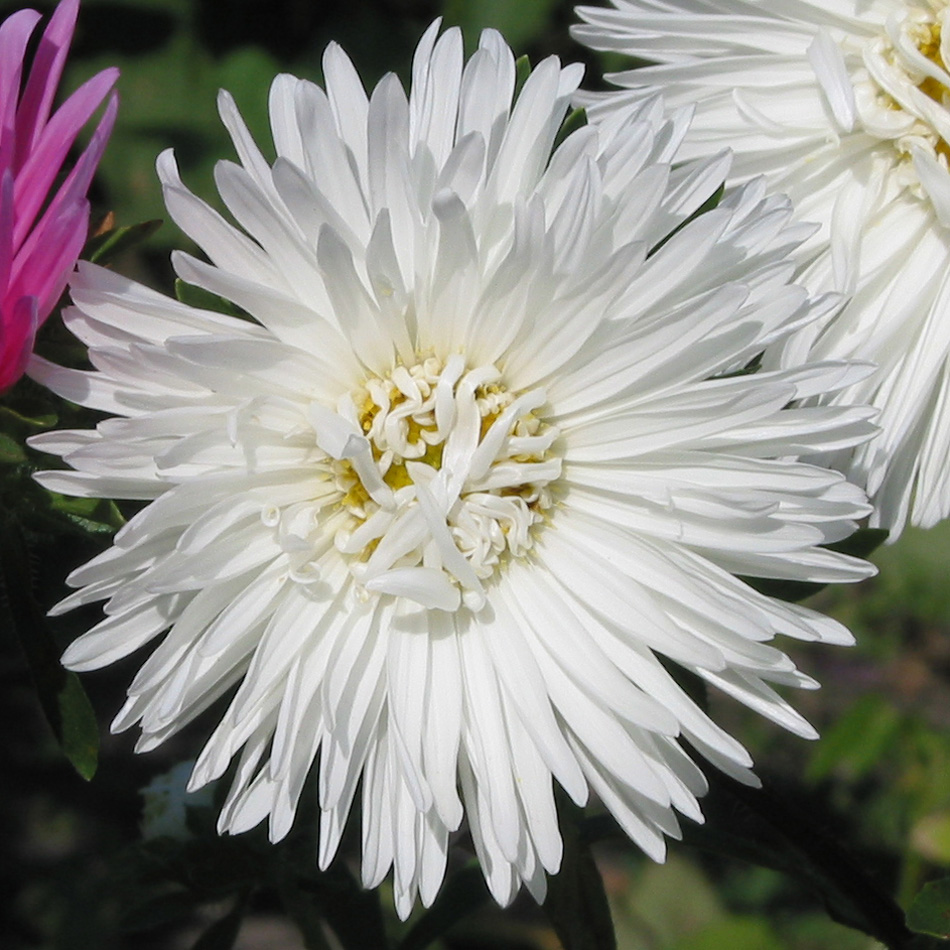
(863, 543)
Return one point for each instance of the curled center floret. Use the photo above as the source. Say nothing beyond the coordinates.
(443, 473)
(903, 91)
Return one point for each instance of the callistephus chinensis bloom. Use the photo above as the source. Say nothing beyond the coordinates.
(42, 227)
(481, 454)
(846, 107)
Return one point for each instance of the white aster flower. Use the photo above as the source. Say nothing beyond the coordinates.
(844, 105)
(480, 457)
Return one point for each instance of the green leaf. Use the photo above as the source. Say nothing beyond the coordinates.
(861, 544)
(205, 300)
(576, 120)
(11, 452)
(104, 247)
(856, 742)
(576, 903)
(29, 422)
(709, 204)
(73, 720)
(925, 942)
(463, 893)
(92, 515)
(930, 911)
(755, 825)
(522, 72)
(64, 702)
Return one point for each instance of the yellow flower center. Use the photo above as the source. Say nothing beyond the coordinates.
(903, 90)
(443, 473)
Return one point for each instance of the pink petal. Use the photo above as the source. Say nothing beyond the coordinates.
(45, 73)
(17, 336)
(14, 35)
(6, 231)
(77, 183)
(41, 168)
(37, 256)
(42, 268)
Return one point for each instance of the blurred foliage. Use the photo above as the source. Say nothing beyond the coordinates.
(97, 866)
(928, 913)
(175, 55)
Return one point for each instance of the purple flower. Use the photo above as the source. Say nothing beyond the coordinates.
(42, 229)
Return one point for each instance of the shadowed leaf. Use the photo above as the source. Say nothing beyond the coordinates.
(11, 452)
(60, 693)
(930, 911)
(205, 300)
(575, 120)
(756, 825)
(576, 903)
(863, 543)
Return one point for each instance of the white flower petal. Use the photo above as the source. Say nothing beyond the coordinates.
(483, 450)
(845, 107)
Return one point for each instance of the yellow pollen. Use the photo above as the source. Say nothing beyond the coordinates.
(923, 31)
(398, 476)
(929, 46)
(397, 415)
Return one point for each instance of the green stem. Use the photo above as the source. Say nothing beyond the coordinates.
(576, 904)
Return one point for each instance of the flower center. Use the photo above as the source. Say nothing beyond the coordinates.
(442, 473)
(902, 93)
